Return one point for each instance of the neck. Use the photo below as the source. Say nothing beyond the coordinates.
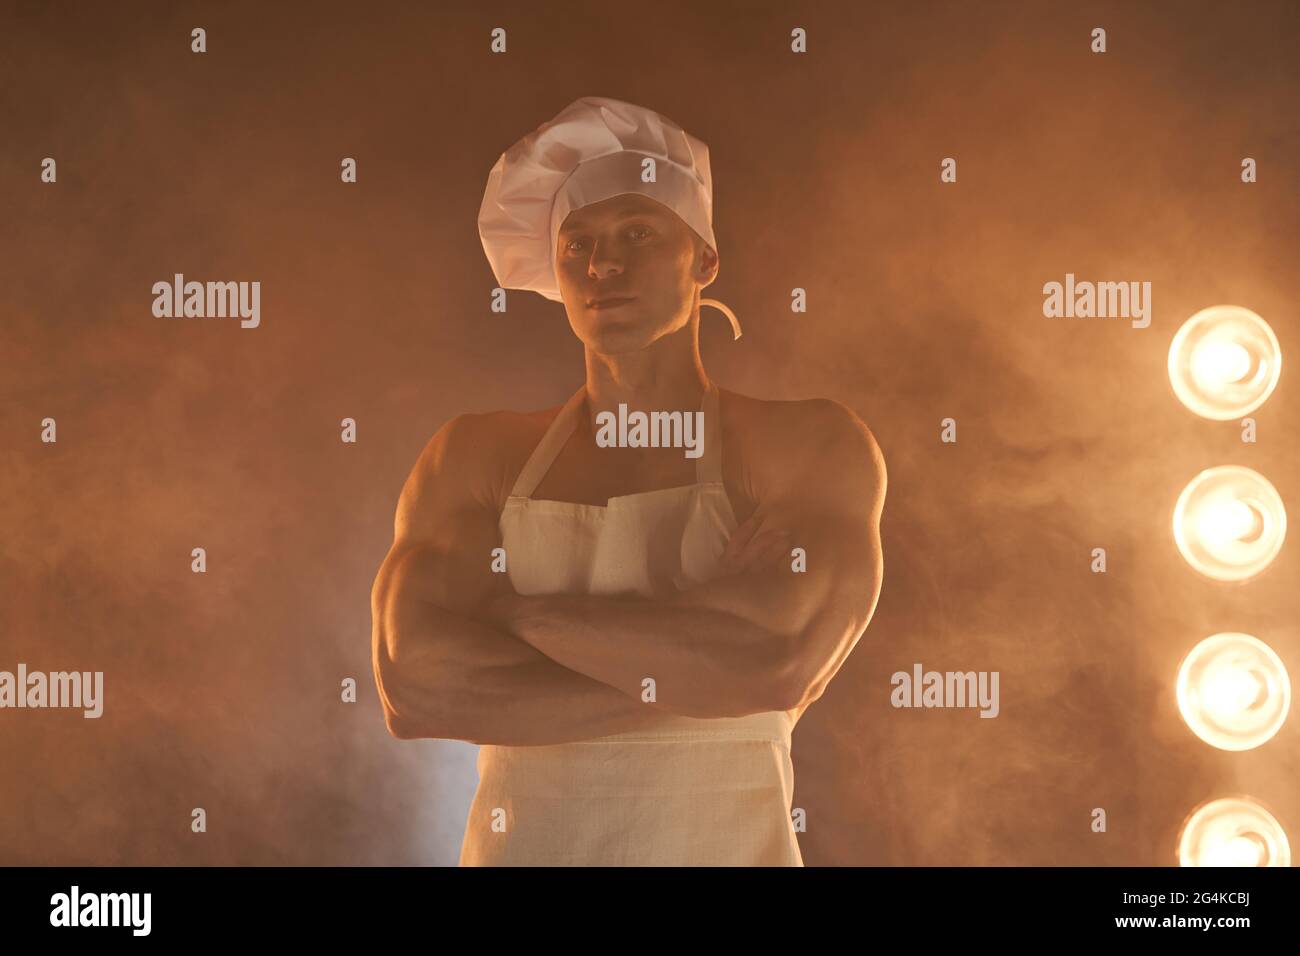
(665, 376)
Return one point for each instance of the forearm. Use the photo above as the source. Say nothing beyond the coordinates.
(704, 662)
(545, 703)
(496, 689)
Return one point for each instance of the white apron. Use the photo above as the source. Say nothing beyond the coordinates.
(693, 792)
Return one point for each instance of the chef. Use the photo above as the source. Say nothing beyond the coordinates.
(671, 617)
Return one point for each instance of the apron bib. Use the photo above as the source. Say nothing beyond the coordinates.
(693, 792)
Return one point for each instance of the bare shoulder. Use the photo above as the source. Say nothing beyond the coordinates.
(473, 458)
(815, 418)
(815, 442)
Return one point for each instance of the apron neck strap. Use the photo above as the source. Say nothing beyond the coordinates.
(548, 449)
(708, 467)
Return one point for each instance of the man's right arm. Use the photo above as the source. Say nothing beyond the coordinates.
(439, 669)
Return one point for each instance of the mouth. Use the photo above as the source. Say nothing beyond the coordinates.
(611, 302)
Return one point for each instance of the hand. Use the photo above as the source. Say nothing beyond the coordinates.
(750, 551)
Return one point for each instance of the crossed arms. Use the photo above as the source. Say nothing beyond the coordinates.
(457, 654)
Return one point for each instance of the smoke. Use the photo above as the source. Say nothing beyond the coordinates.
(222, 689)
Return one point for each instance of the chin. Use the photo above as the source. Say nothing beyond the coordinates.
(617, 335)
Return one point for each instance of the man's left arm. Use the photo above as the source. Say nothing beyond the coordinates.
(764, 639)
(831, 506)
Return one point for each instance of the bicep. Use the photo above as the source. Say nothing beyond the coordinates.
(444, 537)
(829, 582)
(823, 598)
(845, 532)
(827, 493)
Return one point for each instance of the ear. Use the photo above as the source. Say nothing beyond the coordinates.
(707, 265)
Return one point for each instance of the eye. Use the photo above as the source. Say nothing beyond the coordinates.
(639, 232)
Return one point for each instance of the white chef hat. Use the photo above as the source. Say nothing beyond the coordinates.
(591, 151)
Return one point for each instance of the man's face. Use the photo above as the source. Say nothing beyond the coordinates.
(629, 247)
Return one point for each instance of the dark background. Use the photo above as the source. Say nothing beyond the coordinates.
(925, 302)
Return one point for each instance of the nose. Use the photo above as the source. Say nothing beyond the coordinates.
(603, 261)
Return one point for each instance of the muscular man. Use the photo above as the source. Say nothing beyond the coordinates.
(663, 621)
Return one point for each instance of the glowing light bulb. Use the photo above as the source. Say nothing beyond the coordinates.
(1237, 851)
(1224, 362)
(1229, 523)
(1215, 364)
(1226, 520)
(1233, 691)
(1233, 831)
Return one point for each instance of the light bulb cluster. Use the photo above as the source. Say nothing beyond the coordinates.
(1229, 523)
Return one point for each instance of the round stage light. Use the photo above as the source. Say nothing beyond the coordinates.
(1233, 831)
(1224, 362)
(1233, 691)
(1229, 523)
